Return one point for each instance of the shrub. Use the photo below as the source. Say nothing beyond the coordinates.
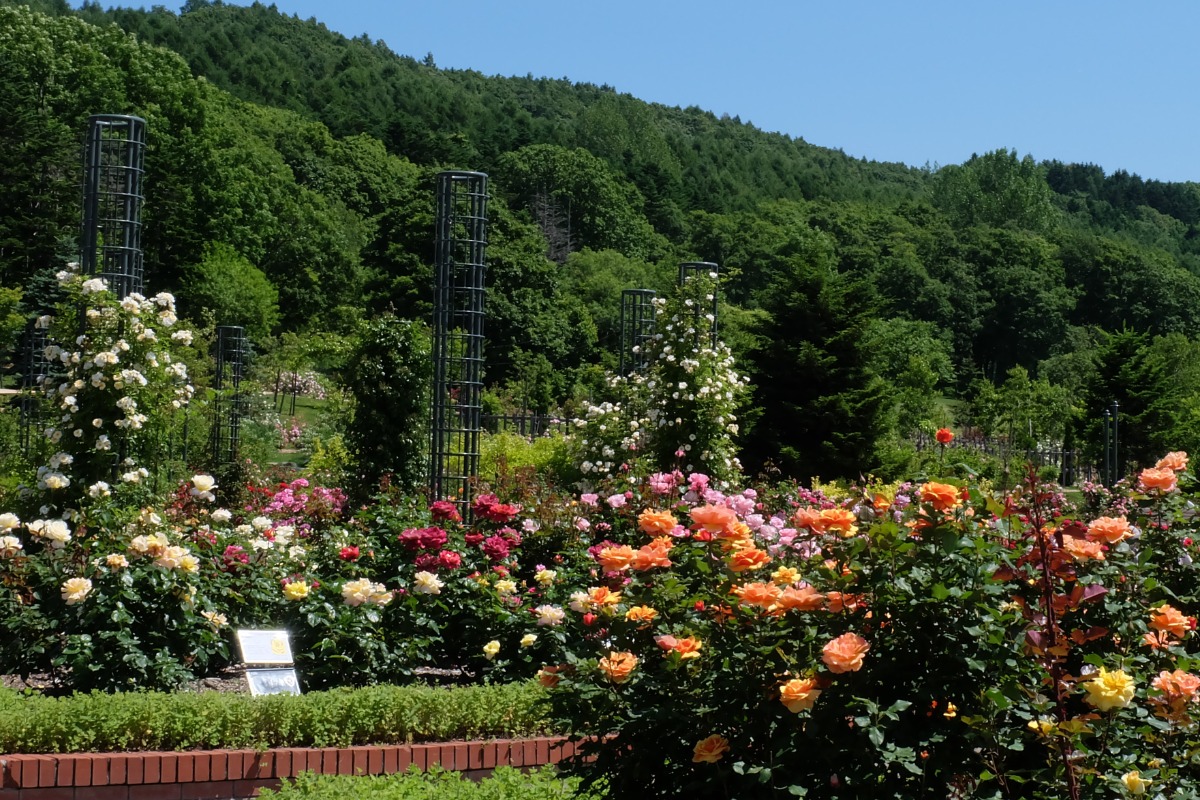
(32, 723)
(506, 783)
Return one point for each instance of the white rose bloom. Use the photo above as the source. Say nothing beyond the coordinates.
(56, 533)
(222, 515)
(8, 521)
(93, 285)
(10, 546)
(261, 523)
(99, 489)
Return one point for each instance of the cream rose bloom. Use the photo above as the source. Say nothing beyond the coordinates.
(74, 590)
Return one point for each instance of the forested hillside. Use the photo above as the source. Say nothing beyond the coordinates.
(290, 189)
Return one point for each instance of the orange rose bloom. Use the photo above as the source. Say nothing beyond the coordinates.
(710, 750)
(651, 555)
(1161, 480)
(942, 496)
(601, 596)
(618, 667)
(616, 559)
(1082, 549)
(801, 598)
(1109, 530)
(810, 518)
(749, 558)
(1176, 461)
(688, 647)
(763, 595)
(845, 653)
(1170, 619)
(737, 532)
(643, 614)
(656, 522)
(841, 520)
(799, 694)
(881, 503)
(944, 436)
(713, 519)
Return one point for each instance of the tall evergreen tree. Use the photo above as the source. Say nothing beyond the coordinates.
(823, 411)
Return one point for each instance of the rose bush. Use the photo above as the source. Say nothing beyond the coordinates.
(900, 640)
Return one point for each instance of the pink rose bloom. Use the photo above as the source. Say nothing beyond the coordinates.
(582, 524)
(616, 501)
(661, 483)
(589, 499)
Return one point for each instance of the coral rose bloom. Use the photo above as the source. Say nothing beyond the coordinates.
(944, 436)
(710, 750)
(801, 598)
(942, 496)
(1082, 549)
(1109, 530)
(763, 595)
(651, 555)
(799, 694)
(618, 667)
(749, 558)
(1172, 620)
(548, 677)
(713, 519)
(810, 518)
(616, 559)
(1161, 480)
(1176, 461)
(656, 522)
(845, 653)
(1178, 689)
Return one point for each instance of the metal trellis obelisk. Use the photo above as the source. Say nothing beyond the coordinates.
(706, 268)
(112, 201)
(35, 369)
(229, 405)
(460, 252)
(637, 328)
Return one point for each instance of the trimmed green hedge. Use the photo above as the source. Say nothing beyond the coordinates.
(99, 722)
(436, 784)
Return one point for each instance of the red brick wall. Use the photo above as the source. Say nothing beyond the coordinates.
(226, 774)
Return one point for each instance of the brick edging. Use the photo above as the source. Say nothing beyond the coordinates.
(224, 774)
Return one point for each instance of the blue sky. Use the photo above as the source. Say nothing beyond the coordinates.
(1109, 83)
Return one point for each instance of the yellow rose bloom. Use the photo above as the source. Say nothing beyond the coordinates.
(1109, 690)
(785, 576)
(1135, 783)
(491, 649)
(296, 590)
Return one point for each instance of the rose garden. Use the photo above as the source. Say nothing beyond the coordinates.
(699, 631)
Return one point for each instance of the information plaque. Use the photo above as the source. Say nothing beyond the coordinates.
(265, 647)
(272, 681)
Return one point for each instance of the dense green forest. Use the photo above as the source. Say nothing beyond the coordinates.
(289, 189)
